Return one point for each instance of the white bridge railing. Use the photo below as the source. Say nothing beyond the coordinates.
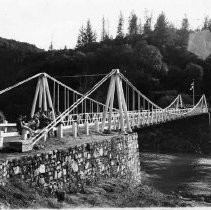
(85, 121)
(100, 116)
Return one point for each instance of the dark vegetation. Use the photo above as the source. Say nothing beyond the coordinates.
(188, 135)
(105, 193)
(154, 58)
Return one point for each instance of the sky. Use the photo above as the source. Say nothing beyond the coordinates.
(41, 21)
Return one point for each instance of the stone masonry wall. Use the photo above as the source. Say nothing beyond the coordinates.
(77, 166)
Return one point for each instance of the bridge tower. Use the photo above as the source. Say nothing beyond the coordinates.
(116, 81)
(42, 96)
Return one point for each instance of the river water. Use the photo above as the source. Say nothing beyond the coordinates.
(177, 172)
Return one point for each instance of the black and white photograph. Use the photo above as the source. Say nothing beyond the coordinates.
(105, 104)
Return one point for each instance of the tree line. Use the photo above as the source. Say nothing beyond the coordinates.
(155, 53)
(162, 33)
(153, 57)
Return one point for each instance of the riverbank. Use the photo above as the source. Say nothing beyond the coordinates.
(105, 193)
(171, 180)
(187, 135)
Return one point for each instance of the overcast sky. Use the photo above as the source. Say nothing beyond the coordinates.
(39, 21)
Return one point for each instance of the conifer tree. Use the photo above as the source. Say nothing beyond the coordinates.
(161, 34)
(120, 32)
(103, 33)
(108, 36)
(86, 35)
(133, 26)
(147, 29)
(50, 47)
(184, 32)
(207, 24)
(140, 29)
(185, 24)
(90, 36)
(81, 37)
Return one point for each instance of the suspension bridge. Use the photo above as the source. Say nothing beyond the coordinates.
(124, 109)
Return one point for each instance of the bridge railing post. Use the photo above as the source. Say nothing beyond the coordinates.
(146, 118)
(45, 137)
(75, 129)
(143, 118)
(156, 120)
(133, 119)
(155, 116)
(60, 131)
(139, 119)
(114, 122)
(86, 124)
(1, 139)
(159, 116)
(24, 134)
(152, 117)
(5, 128)
(97, 126)
(109, 121)
(165, 116)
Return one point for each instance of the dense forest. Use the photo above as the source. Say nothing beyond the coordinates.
(155, 58)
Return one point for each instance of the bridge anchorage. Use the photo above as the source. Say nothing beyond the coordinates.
(125, 108)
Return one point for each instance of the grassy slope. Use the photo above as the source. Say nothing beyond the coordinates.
(105, 193)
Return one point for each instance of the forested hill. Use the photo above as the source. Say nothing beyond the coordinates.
(155, 60)
(10, 44)
(153, 69)
(12, 56)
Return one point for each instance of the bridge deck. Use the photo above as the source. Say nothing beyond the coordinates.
(78, 111)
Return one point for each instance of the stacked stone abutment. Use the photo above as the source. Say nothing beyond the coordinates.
(75, 167)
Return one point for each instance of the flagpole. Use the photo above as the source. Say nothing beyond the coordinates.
(193, 93)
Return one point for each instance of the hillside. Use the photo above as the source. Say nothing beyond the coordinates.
(108, 193)
(10, 44)
(153, 67)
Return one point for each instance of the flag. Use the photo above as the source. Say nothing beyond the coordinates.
(192, 86)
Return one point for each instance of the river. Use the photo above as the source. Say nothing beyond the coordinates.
(178, 172)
